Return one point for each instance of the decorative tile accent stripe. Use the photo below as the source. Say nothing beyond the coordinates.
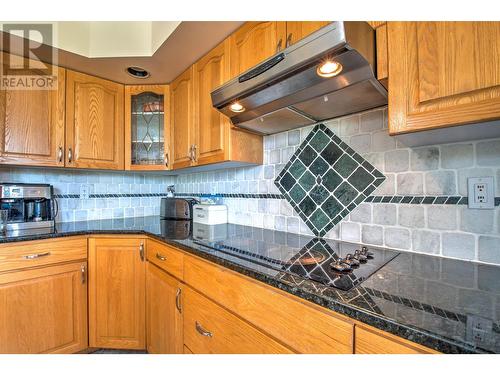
(417, 305)
(229, 195)
(138, 195)
(398, 199)
(423, 199)
(66, 195)
(325, 180)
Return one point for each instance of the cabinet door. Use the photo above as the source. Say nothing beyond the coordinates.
(212, 128)
(182, 126)
(297, 30)
(44, 310)
(117, 293)
(147, 130)
(32, 121)
(163, 312)
(254, 42)
(442, 74)
(94, 122)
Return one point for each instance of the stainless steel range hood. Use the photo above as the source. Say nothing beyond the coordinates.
(286, 92)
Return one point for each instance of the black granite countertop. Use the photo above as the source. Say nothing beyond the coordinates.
(449, 305)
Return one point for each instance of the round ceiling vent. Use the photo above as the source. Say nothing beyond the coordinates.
(137, 72)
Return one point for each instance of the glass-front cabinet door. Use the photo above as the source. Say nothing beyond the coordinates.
(147, 134)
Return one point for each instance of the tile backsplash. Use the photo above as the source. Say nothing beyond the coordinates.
(112, 194)
(421, 206)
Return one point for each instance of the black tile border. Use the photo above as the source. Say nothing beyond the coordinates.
(416, 305)
(397, 199)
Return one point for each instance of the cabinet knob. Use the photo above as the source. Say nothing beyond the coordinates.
(70, 155)
(60, 154)
(288, 40)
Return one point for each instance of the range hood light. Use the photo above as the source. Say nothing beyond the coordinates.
(236, 107)
(329, 69)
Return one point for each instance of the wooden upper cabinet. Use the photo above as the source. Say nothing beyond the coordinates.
(44, 310)
(117, 285)
(297, 30)
(147, 127)
(254, 42)
(212, 127)
(164, 312)
(182, 124)
(442, 74)
(32, 121)
(94, 122)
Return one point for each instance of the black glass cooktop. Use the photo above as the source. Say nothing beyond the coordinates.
(315, 260)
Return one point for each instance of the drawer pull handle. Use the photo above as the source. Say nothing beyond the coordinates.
(141, 251)
(83, 271)
(161, 257)
(178, 300)
(202, 331)
(35, 256)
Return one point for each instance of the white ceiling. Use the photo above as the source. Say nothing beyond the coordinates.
(112, 38)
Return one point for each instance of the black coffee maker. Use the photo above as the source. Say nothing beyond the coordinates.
(29, 206)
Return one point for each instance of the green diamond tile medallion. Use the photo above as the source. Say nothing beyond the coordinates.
(325, 179)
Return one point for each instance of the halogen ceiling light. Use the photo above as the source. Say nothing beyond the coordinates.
(329, 69)
(236, 107)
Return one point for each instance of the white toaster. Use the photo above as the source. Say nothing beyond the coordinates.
(210, 214)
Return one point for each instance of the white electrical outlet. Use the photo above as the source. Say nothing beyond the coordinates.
(481, 192)
(84, 191)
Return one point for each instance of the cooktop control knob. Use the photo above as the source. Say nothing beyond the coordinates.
(350, 260)
(340, 266)
(364, 251)
(360, 256)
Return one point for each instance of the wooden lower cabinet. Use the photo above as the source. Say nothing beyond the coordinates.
(369, 340)
(163, 312)
(44, 310)
(210, 329)
(117, 286)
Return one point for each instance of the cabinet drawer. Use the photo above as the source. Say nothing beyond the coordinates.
(374, 341)
(305, 328)
(208, 328)
(166, 257)
(42, 252)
